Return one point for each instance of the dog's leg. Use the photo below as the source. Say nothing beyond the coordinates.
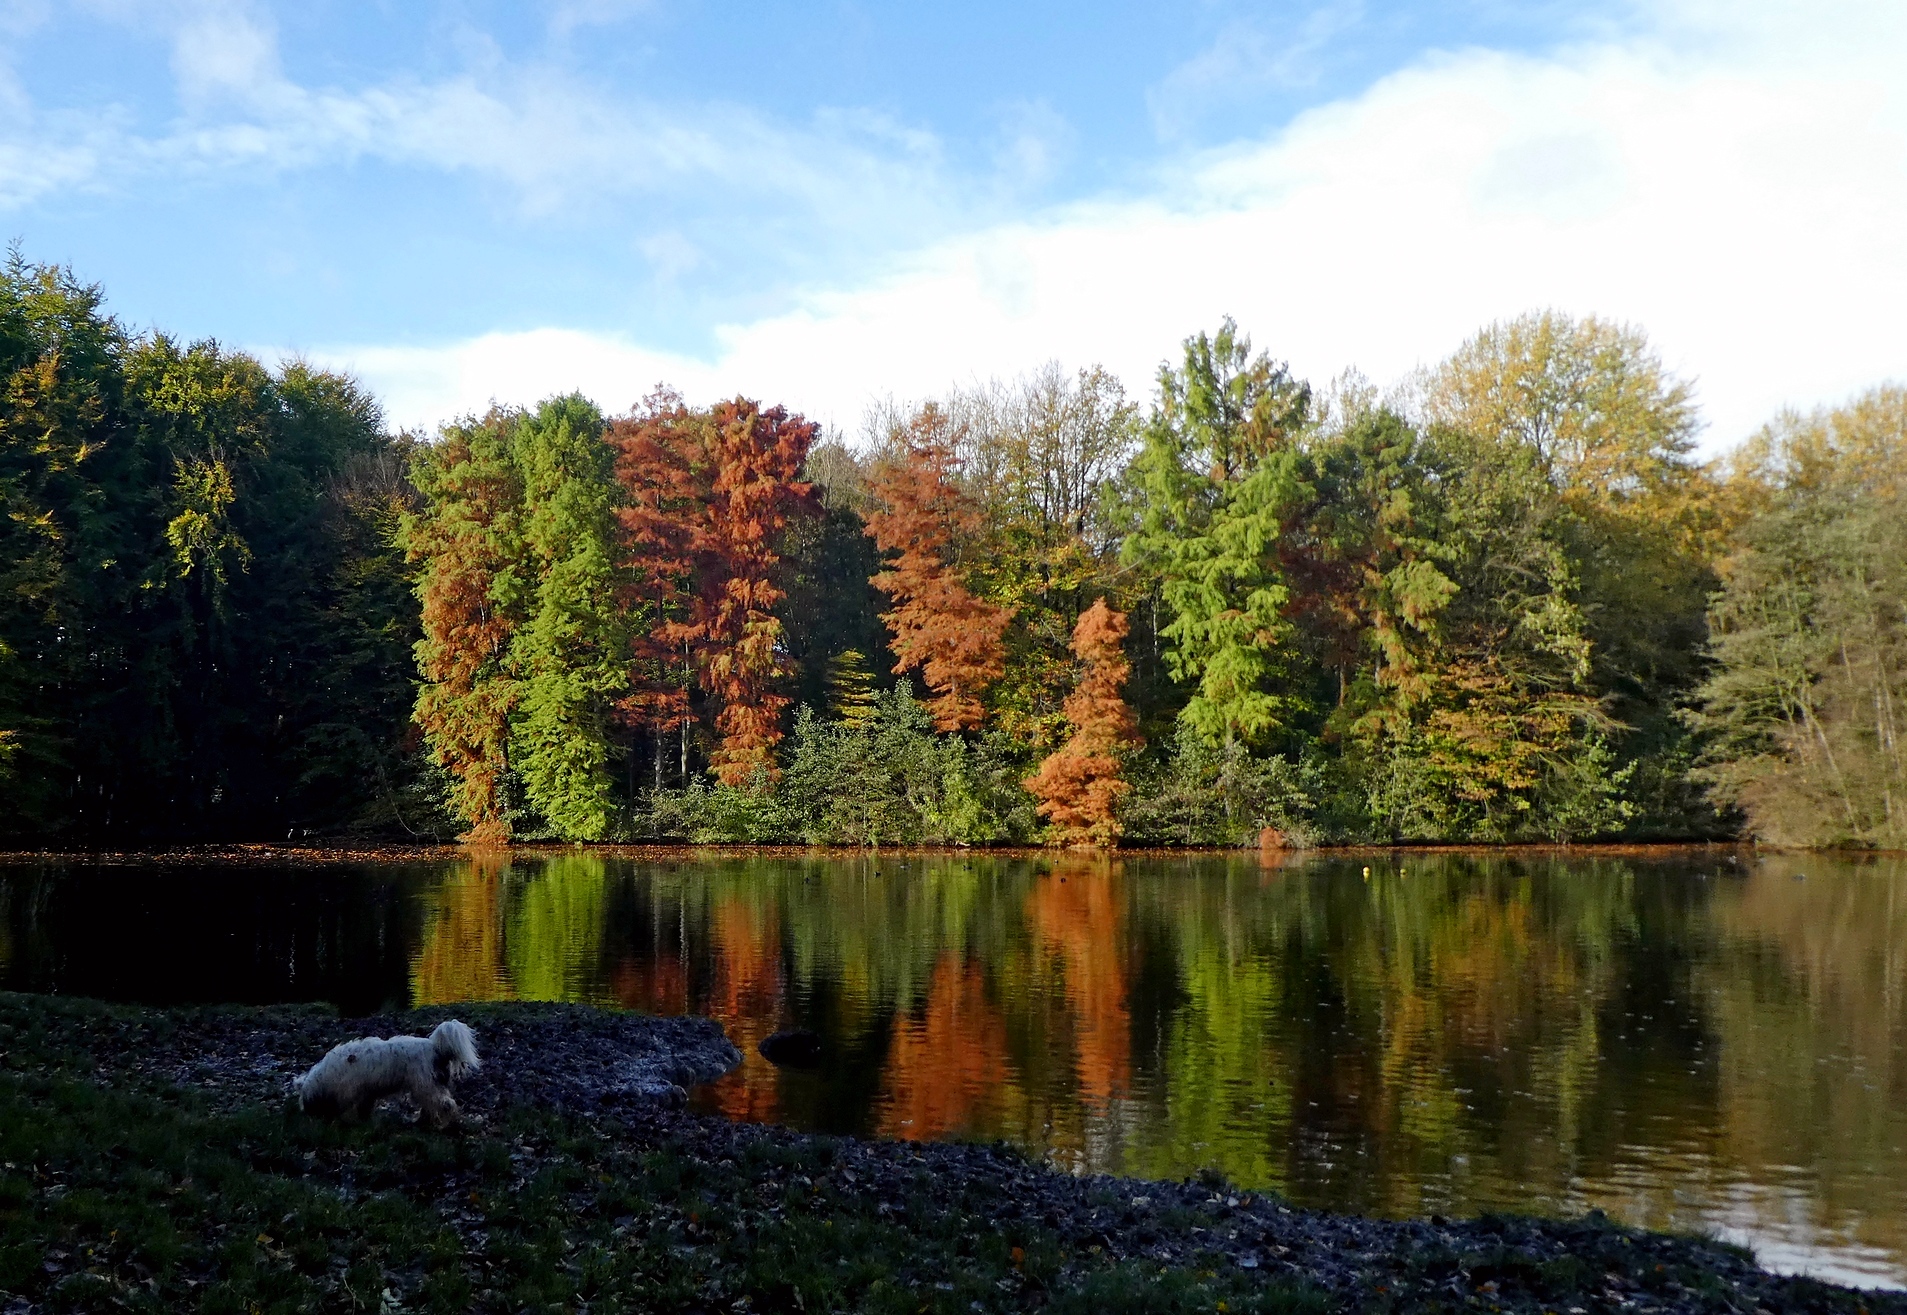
(438, 1107)
(432, 1097)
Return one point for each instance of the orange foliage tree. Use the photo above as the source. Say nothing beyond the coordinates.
(468, 540)
(939, 626)
(1079, 786)
(658, 450)
(709, 492)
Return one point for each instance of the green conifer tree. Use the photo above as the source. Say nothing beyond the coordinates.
(570, 655)
(1219, 477)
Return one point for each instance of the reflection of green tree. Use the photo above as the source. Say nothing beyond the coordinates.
(1478, 982)
(524, 930)
(1445, 1008)
(1227, 1092)
(1808, 990)
(554, 930)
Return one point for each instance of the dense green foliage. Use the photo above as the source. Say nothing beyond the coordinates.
(1503, 604)
(204, 627)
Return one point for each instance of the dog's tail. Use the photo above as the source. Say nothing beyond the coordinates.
(454, 1043)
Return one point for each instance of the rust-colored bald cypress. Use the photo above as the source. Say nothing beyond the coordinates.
(660, 465)
(1080, 786)
(468, 543)
(939, 627)
(709, 492)
(756, 455)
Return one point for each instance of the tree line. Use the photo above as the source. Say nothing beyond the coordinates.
(1502, 602)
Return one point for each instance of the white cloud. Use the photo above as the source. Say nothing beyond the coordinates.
(225, 51)
(568, 15)
(421, 387)
(1735, 182)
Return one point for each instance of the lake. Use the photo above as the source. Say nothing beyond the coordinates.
(1692, 1040)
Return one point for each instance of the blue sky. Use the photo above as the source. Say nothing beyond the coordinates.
(830, 202)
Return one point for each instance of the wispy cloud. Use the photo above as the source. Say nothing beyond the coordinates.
(568, 15)
(1248, 56)
(544, 134)
(1738, 196)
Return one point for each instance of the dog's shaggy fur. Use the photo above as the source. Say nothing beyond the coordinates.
(354, 1076)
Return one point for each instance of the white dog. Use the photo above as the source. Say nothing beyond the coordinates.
(354, 1076)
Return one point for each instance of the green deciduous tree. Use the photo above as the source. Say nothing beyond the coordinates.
(1806, 710)
(179, 577)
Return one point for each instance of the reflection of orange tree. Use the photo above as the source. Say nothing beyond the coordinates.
(745, 995)
(654, 984)
(460, 956)
(948, 1071)
(1076, 914)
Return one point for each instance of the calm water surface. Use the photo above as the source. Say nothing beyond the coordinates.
(1698, 1042)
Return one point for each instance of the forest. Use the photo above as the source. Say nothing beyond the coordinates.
(1503, 601)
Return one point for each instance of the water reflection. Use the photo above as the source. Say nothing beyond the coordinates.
(1689, 1043)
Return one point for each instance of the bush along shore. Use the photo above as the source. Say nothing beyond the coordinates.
(152, 1162)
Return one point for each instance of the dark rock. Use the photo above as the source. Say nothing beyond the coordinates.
(792, 1049)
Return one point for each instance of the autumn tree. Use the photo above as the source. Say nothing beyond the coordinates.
(710, 493)
(1588, 397)
(1476, 716)
(467, 540)
(1039, 454)
(1601, 436)
(1079, 787)
(756, 455)
(660, 465)
(938, 625)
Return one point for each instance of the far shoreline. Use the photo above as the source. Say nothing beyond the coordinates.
(323, 854)
(288, 854)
